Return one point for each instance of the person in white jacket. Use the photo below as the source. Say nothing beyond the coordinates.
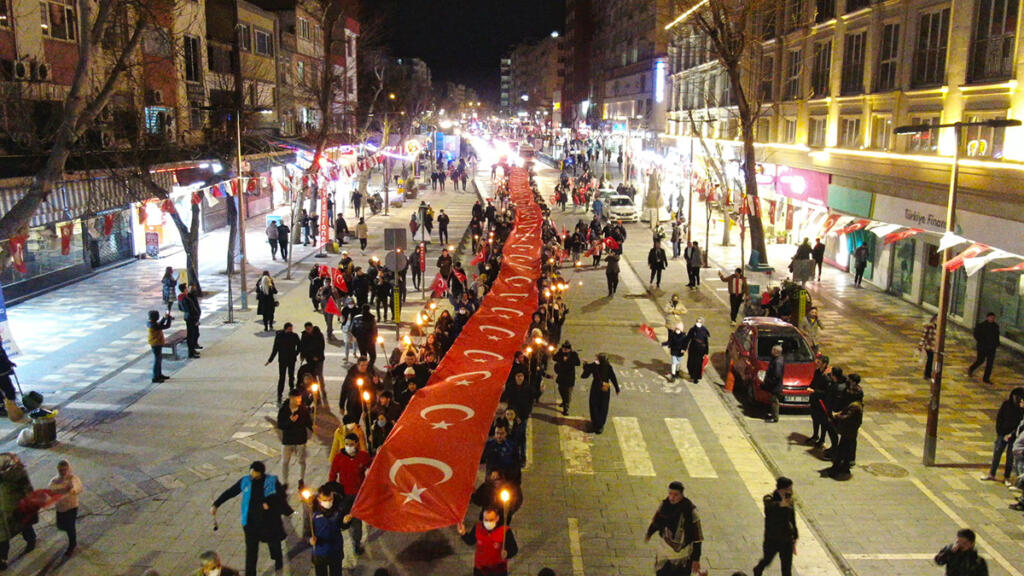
(66, 483)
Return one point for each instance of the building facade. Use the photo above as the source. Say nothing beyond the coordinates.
(834, 78)
(538, 69)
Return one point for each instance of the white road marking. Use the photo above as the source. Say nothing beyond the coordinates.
(634, 449)
(875, 444)
(695, 459)
(575, 446)
(529, 444)
(574, 547)
(258, 447)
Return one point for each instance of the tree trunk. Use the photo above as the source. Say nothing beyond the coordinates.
(232, 214)
(750, 180)
(190, 243)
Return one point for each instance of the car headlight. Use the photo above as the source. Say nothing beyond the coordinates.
(761, 374)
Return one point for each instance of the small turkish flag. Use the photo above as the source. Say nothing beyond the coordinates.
(612, 244)
(108, 223)
(332, 307)
(901, 235)
(649, 332)
(65, 238)
(17, 248)
(439, 287)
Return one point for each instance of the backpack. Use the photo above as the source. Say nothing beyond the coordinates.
(359, 326)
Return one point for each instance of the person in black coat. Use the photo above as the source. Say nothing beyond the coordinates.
(819, 412)
(677, 343)
(698, 338)
(519, 394)
(340, 229)
(364, 329)
(316, 281)
(611, 273)
(295, 423)
(657, 260)
(600, 390)
(986, 337)
(311, 350)
(442, 227)
(566, 360)
(263, 504)
(286, 349)
(1007, 420)
(188, 303)
(772, 384)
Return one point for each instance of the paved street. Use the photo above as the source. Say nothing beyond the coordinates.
(153, 457)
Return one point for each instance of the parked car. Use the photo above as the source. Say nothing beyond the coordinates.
(750, 350)
(621, 208)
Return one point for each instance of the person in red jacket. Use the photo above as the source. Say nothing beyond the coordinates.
(495, 544)
(349, 469)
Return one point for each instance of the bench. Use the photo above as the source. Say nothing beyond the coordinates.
(173, 340)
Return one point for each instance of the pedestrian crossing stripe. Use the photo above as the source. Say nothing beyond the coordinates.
(575, 445)
(694, 458)
(634, 449)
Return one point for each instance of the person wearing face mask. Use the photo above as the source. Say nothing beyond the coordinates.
(209, 565)
(349, 425)
(698, 338)
(495, 544)
(327, 539)
(678, 524)
(295, 423)
(263, 503)
(674, 311)
(380, 430)
(677, 342)
(488, 494)
(349, 469)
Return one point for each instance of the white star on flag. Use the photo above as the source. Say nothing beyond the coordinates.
(442, 425)
(463, 382)
(413, 494)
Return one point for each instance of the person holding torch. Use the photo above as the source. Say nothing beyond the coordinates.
(326, 524)
(349, 469)
(495, 544)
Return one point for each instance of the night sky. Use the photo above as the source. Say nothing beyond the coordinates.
(463, 40)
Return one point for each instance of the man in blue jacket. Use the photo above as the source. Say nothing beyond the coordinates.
(263, 503)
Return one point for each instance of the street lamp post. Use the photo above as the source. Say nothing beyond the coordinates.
(932, 424)
(240, 198)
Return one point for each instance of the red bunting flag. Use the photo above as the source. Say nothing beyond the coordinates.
(168, 206)
(17, 248)
(108, 223)
(1018, 267)
(830, 223)
(858, 225)
(901, 235)
(332, 307)
(460, 275)
(649, 332)
(423, 476)
(972, 251)
(65, 237)
(197, 197)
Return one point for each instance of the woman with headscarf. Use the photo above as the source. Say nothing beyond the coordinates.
(698, 338)
(265, 302)
(600, 390)
(14, 487)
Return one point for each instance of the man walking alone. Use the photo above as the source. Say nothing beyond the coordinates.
(780, 533)
(986, 338)
(738, 290)
(286, 348)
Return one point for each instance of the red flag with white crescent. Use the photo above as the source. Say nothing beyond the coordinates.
(858, 225)
(972, 251)
(1015, 268)
(829, 223)
(17, 249)
(439, 286)
(649, 332)
(612, 243)
(901, 235)
(424, 474)
(65, 237)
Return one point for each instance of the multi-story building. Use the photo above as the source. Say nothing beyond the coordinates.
(505, 102)
(834, 78)
(300, 67)
(578, 86)
(537, 72)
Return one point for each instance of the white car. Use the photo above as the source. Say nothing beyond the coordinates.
(621, 208)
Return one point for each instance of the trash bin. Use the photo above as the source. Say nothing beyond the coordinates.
(44, 427)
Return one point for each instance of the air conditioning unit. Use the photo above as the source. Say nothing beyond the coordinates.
(22, 69)
(155, 97)
(41, 71)
(106, 139)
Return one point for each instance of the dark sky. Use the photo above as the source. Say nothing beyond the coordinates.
(462, 40)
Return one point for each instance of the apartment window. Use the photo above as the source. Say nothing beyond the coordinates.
(768, 22)
(245, 37)
(764, 129)
(303, 29)
(822, 69)
(794, 66)
(881, 132)
(983, 141)
(994, 32)
(923, 142)
(218, 59)
(264, 43)
(156, 120)
(794, 14)
(930, 52)
(849, 132)
(853, 63)
(816, 130)
(196, 116)
(790, 130)
(854, 5)
(766, 88)
(888, 58)
(59, 19)
(193, 59)
(825, 10)
(5, 14)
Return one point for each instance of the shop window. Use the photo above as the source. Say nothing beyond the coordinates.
(59, 19)
(903, 258)
(1002, 293)
(817, 129)
(931, 280)
(881, 132)
(923, 142)
(888, 58)
(853, 63)
(983, 141)
(994, 37)
(156, 120)
(930, 51)
(822, 69)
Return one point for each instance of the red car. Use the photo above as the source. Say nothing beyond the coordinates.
(750, 350)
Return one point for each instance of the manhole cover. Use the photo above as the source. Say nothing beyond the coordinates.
(885, 470)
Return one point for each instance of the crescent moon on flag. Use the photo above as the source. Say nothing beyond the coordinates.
(439, 465)
(469, 412)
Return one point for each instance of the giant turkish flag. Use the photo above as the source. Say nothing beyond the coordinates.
(424, 474)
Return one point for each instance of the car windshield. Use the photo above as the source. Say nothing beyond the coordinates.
(794, 347)
(620, 202)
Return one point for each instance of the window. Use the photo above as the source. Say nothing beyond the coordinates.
(218, 59)
(245, 37)
(300, 73)
(303, 29)
(790, 126)
(156, 120)
(923, 142)
(849, 132)
(766, 89)
(854, 5)
(794, 14)
(930, 52)
(193, 62)
(983, 141)
(768, 22)
(794, 66)
(816, 131)
(764, 129)
(264, 43)
(853, 63)
(888, 57)
(825, 10)
(59, 19)
(993, 47)
(822, 69)
(881, 132)
(5, 14)
(195, 116)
